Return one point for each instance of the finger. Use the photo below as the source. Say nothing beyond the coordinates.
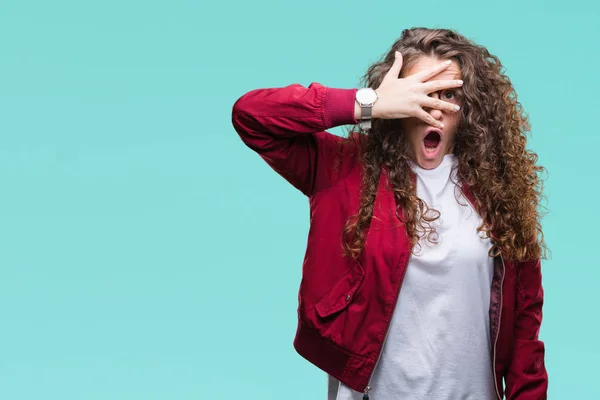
(434, 86)
(429, 73)
(394, 71)
(438, 104)
(426, 117)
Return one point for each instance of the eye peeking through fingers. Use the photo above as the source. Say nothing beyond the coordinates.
(450, 95)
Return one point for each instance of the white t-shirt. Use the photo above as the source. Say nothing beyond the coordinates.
(438, 344)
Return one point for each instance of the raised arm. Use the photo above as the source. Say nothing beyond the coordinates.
(287, 128)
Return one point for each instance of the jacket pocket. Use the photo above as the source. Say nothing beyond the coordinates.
(340, 296)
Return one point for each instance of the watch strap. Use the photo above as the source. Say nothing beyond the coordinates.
(365, 115)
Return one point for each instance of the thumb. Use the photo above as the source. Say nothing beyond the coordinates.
(394, 71)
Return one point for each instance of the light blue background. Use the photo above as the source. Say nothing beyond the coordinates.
(146, 253)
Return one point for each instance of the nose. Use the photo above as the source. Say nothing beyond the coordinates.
(435, 113)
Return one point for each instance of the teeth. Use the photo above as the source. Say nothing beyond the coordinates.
(430, 149)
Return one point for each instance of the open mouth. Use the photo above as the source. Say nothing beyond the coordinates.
(432, 141)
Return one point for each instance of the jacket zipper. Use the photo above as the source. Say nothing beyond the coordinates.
(498, 329)
(369, 387)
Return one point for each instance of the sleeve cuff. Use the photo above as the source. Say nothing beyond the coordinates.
(339, 107)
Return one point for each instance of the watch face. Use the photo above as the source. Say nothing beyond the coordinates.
(366, 96)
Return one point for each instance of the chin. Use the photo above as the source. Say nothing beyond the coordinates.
(429, 163)
(427, 159)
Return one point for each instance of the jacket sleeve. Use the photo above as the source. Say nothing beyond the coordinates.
(286, 127)
(527, 378)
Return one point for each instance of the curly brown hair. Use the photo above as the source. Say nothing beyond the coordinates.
(490, 147)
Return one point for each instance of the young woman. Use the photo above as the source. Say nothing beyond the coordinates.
(422, 275)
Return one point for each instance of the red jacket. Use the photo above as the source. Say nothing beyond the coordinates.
(345, 306)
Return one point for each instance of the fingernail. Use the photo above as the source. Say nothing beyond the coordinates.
(457, 108)
(460, 82)
(441, 125)
(396, 54)
(448, 62)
